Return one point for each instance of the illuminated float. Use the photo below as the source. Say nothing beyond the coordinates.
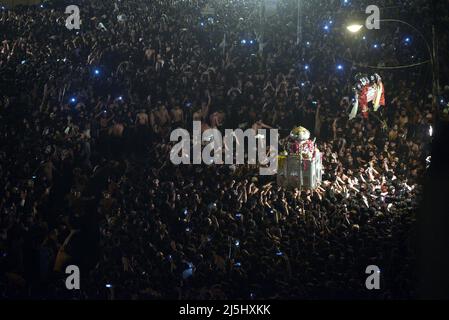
(300, 164)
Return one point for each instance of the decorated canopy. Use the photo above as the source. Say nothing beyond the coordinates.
(300, 133)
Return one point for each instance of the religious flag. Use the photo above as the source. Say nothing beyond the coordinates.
(367, 91)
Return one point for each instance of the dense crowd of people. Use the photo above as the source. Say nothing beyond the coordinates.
(86, 177)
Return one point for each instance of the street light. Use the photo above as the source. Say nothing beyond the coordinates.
(354, 28)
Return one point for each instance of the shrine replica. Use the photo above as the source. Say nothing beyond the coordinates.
(300, 165)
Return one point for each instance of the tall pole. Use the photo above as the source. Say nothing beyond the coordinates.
(298, 23)
(435, 76)
(261, 28)
(433, 62)
(224, 45)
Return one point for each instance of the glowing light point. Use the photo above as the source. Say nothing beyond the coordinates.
(354, 28)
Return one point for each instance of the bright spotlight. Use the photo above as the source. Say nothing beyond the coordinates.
(339, 67)
(354, 28)
(430, 131)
